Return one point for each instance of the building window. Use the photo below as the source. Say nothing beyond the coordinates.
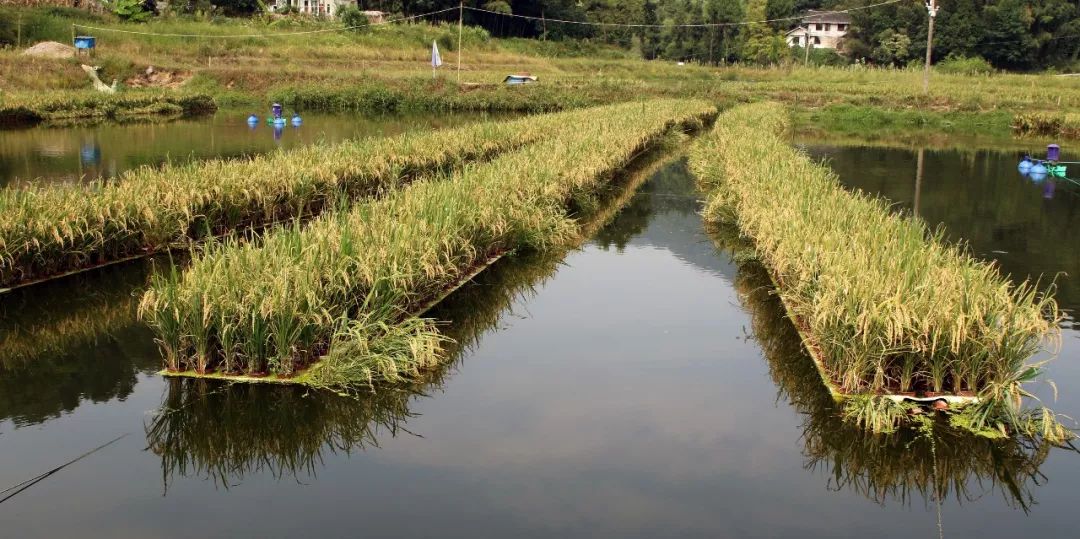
(841, 27)
(817, 26)
(817, 40)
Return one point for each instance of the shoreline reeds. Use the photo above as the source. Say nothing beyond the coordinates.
(341, 290)
(886, 305)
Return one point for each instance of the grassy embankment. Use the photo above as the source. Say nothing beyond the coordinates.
(344, 290)
(55, 229)
(885, 305)
(386, 68)
(58, 106)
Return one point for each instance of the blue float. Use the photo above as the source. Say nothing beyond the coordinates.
(253, 119)
(1025, 165)
(296, 120)
(1038, 168)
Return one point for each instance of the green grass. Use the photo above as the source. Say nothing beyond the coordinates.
(33, 107)
(325, 69)
(887, 305)
(427, 95)
(874, 123)
(350, 281)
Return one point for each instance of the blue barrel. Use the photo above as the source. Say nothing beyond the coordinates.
(1053, 152)
(85, 42)
(1038, 172)
(276, 110)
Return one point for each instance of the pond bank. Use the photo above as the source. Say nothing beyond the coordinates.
(66, 107)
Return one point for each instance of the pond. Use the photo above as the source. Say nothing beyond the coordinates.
(83, 153)
(643, 385)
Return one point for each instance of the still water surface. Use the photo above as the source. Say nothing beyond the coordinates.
(83, 153)
(645, 385)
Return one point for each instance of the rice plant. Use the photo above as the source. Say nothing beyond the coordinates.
(903, 462)
(50, 230)
(347, 285)
(887, 305)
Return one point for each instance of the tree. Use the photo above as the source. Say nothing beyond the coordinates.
(1007, 41)
(781, 9)
(958, 30)
(894, 48)
(763, 45)
(650, 35)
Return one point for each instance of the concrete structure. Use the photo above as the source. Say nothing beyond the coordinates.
(823, 30)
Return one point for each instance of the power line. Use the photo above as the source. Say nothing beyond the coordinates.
(481, 10)
(702, 25)
(283, 34)
(1021, 37)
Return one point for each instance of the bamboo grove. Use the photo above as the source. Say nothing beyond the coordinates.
(886, 305)
(343, 290)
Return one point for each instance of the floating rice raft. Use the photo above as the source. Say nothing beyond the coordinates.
(884, 305)
(336, 302)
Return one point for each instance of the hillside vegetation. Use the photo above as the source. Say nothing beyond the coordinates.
(387, 67)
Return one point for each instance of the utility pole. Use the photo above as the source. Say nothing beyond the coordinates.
(460, 27)
(806, 49)
(931, 9)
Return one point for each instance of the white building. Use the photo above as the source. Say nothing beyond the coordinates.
(823, 30)
(327, 8)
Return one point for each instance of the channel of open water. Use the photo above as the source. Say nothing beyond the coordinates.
(644, 385)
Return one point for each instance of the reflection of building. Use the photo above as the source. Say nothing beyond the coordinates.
(824, 30)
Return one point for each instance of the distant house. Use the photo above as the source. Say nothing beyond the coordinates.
(327, 8)
(823, 30)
